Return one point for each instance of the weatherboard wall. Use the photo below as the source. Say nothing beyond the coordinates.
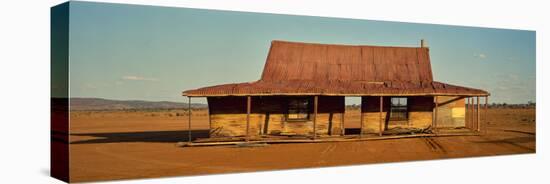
(451, 112)
(268, 117)
(420, 113)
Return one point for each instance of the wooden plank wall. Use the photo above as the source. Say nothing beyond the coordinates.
(228, 117)
(420, 114)
(451, 112)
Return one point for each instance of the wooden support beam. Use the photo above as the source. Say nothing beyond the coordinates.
(248, 103)
(362, 118)
(435, 113)
(467, 115)
(209, 119)
(474, 115)
(381, 108)
(486, 122)
(343, 122)
(470, 113)
(189, 118)
(467, 118)
(466, 112)
(478, 122)
(474, 111)
(315, 103)
(451, 100)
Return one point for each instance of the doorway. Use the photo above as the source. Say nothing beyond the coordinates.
(352, 115)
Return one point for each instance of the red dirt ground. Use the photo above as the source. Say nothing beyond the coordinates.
(124, 145)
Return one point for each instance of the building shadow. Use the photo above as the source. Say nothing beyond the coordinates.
(516, 141)
(151, 136)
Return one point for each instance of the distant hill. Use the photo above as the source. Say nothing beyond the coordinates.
(106, 104)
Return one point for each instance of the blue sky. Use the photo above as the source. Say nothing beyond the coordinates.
(153, 53)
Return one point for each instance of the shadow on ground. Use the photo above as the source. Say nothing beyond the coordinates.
(153, 136)
(516, 141)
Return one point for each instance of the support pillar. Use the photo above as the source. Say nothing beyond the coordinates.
(467, 112)
(474, 117)
(343, 122)
(362, 118)
(471, 113)
(315, 103)
(486, 123)
(189, 119)
(381, 109)
(435, 113)
(248, 100)
(467, 117)
(478, 122)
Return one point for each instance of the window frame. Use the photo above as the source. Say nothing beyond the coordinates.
(399, 112)
(304, 110)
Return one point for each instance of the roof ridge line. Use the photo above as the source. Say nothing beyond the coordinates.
(346, 45)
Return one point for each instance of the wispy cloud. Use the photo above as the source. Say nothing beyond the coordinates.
(480, 56)
(138, 78)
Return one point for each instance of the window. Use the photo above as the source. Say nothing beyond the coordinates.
(298, 109)
(398, 110)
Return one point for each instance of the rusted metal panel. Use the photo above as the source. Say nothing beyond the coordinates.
(335, 88)
(338, 62)
(294, 68)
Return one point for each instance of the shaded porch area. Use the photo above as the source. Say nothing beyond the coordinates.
(326, 119)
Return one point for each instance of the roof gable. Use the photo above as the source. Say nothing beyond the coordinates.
(290, 61)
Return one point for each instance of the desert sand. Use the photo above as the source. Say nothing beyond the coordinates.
(107, 145)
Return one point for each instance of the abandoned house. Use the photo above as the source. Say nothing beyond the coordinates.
(303, 87)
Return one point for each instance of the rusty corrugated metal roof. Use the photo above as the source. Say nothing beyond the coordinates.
(335, 88)
(311, 61)
(294, 68)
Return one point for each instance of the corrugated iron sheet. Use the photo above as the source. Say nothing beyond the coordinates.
(323, 69)
(335, 88)
(309, 61)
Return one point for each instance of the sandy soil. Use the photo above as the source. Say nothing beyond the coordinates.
(123, 145)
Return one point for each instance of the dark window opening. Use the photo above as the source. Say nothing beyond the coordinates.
(298, 109)
(398, 110)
